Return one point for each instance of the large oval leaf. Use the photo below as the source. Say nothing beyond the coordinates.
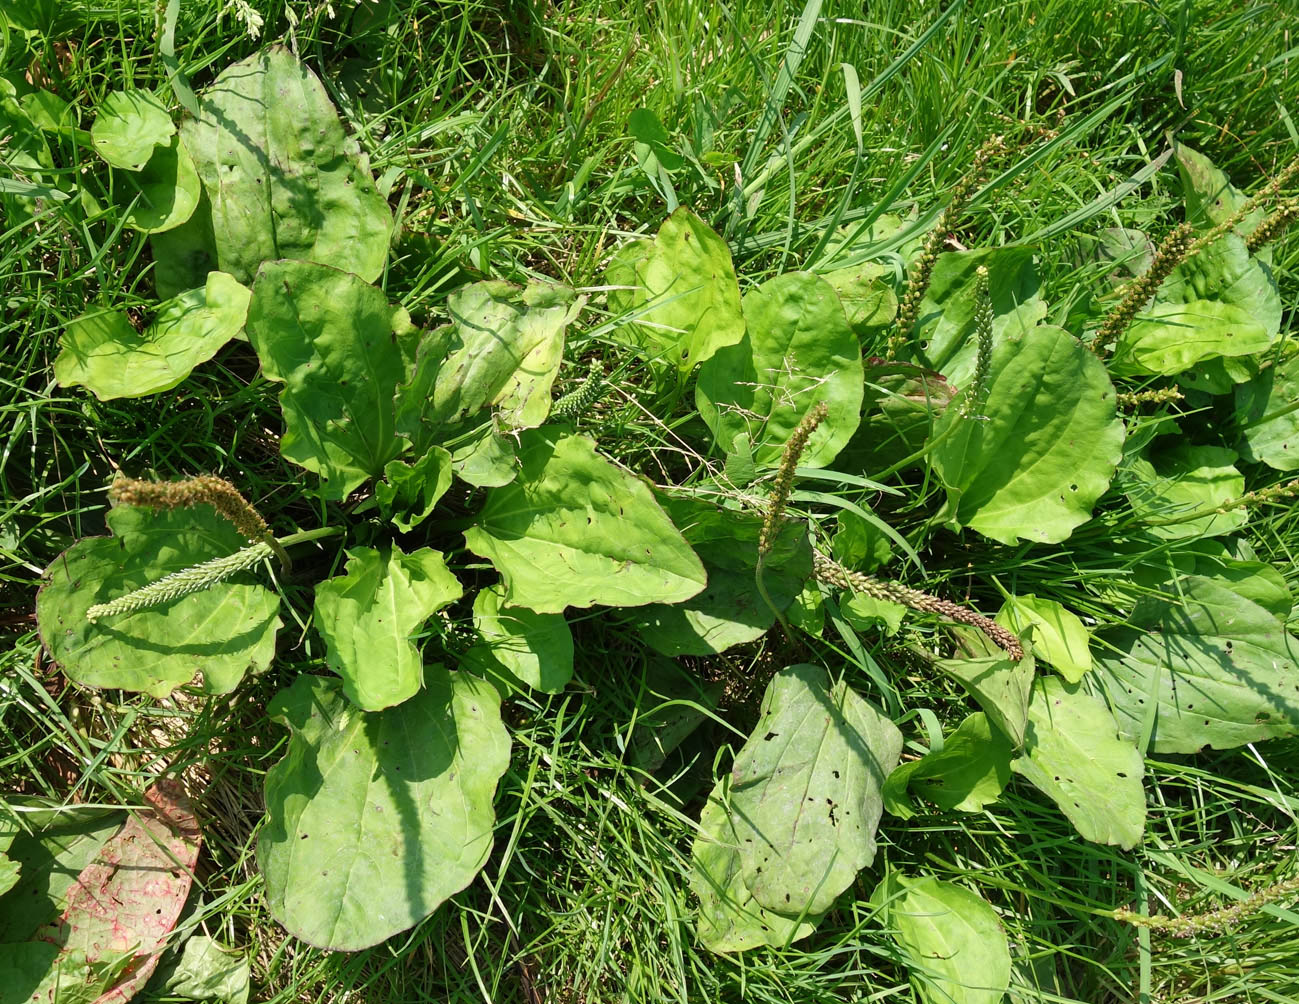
(367, 617)
(374, 819)
(220, 632)
(969, 772)
(683, 288)
(799, 350)
(336, 344)
(103, 352)
(1204, 667)
(956, 948)
(282, 178)
(805, 795)
(1045, 448)
(1074, 755)
(575, 530)
(1184, 480)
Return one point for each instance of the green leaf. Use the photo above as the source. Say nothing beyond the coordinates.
(1220, 302)
(729, 611)
(367, 617)
(336, 344)
(1204, 667)
(219, 633)
(1181, 481)
(1046, 449)
(1210, 196)
(49, 861)
(508, 344)
(532, 648)
(24, 973)
(969, 772)
(955, 945)
(408, 493)
(652, 143)
(161, 195)
(1074, 755)
(859, 544)
(946, 332)
(684, 291)
(730, 920)
(487, 460)
(103, 352)
(903, 401)
(1059, 637)
(283, 179)
(205, 971)
(374, 819)
(1267, 415)
(868, 299)
(805, 795)
(798, 351)
(865, 613)
(129, 126)
(1000, 685)
(575, 530)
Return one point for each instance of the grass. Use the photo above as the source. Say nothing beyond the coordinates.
(501, 133)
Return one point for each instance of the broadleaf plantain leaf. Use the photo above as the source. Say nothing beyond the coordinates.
(969, 772)
(805, 794)
(798, 351)
(1204, 666)
(128, 126)
(1184, 480)
(1267, 415)
(1000, 685)
(1074, 755)
(532, 648)
(683, 288)
(376, 818)
(955, 945)
(282, 178)
(1059, 637)
(367, 617)
(1046, 448)
(161, 195)
(573, 529)
(103, 352)
(337, 345)
(408, 493)
(220, 632)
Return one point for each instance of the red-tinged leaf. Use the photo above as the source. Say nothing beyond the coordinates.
(126, 902)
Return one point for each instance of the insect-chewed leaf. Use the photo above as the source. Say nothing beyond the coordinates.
(729, 610)
(969, 772)
(683, 289)
(103, 352)
(1203, 667)
(282, 178)
(798, 351)
(730, 919)
(220, 632)
(129, 126)
(955, 945)
(368, 614)
(806, 791)
(1044, 448)
(1074, 755)
(375, 818)
(337, 345)
(575, 530)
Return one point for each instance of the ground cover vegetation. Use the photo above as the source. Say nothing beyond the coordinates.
(523, 503)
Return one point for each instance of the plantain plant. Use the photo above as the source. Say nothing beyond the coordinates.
(382, 806)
